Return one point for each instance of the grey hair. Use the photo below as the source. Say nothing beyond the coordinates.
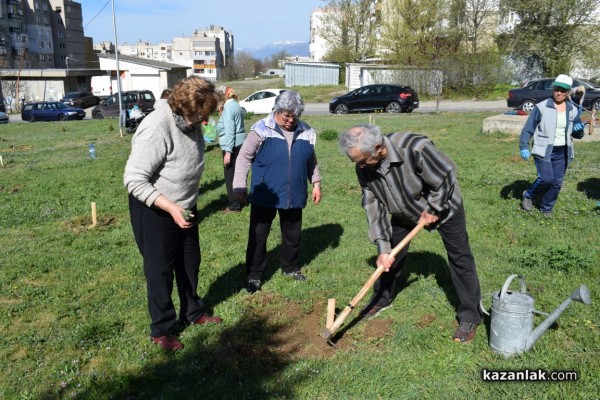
(290, 101)
(363, 137)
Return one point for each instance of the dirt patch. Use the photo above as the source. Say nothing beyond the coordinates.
(299, 333)
(83, 224)
(426, 320)
(12, 189)
(17, 148)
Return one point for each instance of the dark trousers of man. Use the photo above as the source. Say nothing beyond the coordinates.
(229, 172)
(461, 261)
(550, 178)
(168, 252)
(261, 218)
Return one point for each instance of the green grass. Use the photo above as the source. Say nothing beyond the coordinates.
(72, 299)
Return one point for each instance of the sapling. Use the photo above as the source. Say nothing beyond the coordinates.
(187, 215)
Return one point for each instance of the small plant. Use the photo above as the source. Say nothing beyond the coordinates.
(63, 128)
(329, 134)
(111, 128)
(249, 115)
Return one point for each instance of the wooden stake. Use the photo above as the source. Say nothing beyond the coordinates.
(1, 162)
(330, 313)
(370, 119)
(94, 218)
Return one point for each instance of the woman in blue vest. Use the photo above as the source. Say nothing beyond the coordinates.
(553, 123)
(281, 151)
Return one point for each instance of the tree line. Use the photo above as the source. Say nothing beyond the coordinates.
(475, 43)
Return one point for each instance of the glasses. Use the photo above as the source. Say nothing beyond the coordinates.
(560, 90)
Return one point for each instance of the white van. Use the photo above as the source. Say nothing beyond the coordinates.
(102, 86)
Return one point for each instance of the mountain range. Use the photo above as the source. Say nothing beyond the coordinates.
(300, 49)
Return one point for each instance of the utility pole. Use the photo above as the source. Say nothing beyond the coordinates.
(121, 121)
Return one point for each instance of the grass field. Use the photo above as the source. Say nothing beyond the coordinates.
(73, 311)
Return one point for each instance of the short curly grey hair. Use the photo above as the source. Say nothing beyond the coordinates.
(289, 101)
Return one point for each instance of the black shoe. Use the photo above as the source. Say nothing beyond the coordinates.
(295, 275)
(253, 285)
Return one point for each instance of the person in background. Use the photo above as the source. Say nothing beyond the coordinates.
(553, 123)
(405, 179)
(162, 176)
(166, 93)
(135, 113)
(231, 133)
(281, 150)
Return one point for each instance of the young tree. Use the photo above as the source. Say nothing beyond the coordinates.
(419, 32)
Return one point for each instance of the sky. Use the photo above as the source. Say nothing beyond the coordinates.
(253, 23)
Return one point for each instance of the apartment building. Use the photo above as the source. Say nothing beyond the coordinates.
(207, 52)
(41, 34)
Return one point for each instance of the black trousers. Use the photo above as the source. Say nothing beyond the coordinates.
(229, 172)
(169, 252)
(261, 218)
(460, 259)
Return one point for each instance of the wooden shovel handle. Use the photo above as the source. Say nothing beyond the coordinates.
(367, 286)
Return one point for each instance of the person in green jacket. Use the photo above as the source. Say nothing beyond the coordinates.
(231, 133)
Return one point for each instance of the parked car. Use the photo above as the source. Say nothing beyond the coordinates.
(3, 118)
(50, 111)
(527, 96)
(144, 99)
(260, 102)
(80, 99)
(388, 98)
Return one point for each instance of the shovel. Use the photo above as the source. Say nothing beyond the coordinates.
(334, 324)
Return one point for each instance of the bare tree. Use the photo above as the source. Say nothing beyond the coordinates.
(244, 66)
(475, 17)
(348, 27)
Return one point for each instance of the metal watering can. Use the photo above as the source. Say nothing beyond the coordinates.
(511, 328)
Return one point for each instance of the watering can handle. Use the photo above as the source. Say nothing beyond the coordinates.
(509, 280)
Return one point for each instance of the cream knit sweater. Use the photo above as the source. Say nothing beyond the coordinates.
(164, 160)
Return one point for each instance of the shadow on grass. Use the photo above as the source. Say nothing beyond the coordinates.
(422, 264)
(214, 206)
(244, 363)
(314, 241)
(515, 190)
(212, 185)
(591, 188)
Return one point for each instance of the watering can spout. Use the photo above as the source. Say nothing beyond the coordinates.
(581, 294)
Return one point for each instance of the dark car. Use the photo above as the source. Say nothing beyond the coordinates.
(80, 99)
(389, 98)
(526, 97)
(50, 111)
(144, 99)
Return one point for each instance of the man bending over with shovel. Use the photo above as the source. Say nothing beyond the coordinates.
(405, 179)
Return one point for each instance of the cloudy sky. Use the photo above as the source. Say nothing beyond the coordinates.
(254, 23)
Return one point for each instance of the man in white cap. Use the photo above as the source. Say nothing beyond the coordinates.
(553, 123)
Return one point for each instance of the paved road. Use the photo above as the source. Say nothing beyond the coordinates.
(425, 107)
(430, 106)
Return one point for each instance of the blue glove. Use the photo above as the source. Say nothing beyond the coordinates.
(577, 127)
(525, 154)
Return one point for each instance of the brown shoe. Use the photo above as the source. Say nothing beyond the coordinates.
(169, 342)
(229, 211)
(207, 319)
(465, 332)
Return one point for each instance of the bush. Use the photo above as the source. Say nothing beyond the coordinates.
(329, 134)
